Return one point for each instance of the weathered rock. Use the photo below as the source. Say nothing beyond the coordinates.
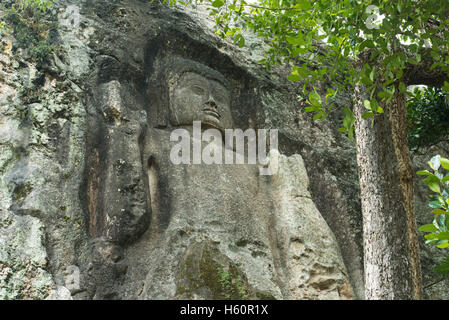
(73, 163)
(23, 259)
(42, 142)
(158, 211)
(61, 293)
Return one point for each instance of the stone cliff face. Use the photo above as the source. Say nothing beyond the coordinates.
(91, 206)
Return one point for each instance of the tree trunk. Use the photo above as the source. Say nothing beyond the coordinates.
(391, 252)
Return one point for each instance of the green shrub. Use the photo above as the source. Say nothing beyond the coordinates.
(438, 231)
(428, 115)
(28, 23)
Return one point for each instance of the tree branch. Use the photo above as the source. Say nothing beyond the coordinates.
(434, 283)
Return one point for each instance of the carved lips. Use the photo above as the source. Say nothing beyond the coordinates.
(212, 112)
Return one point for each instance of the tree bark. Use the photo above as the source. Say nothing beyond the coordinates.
(391, 252)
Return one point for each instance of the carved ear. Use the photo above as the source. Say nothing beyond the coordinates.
(158, 109)
(157, 94)
(110, 102)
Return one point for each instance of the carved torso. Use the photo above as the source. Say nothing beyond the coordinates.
(210, 194)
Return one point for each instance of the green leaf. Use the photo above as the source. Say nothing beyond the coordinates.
(442, 223)
(445, 244)
(439, 211)
(348, 120)
(430, 236)
(435, 204)
(443, 268)
(382, 94)
(312, 108)
(314, 98)
(367, 115)
(241, 42)
(293, 40)
(317, 116)
(296, 41)
(297, 51)
(402, 87)
(294, 77)
(375, 106)
(366, 44)
(351, 133)
(367, 104)
(371, 75)
(412, 61)
(366, 79)
(444, 163)
(218, 3)
(424, 173)
(433, 66)
(433, 182)
(445, 87)
(418, 58)
(303, 5)
(443, 236)
(237, 38)
(428, 228)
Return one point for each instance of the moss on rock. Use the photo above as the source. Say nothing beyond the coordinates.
(206, 273)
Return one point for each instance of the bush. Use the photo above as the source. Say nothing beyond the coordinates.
(438, 230)
(27, 21)
(428, 116)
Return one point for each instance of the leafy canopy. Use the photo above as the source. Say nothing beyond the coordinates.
(322, 41)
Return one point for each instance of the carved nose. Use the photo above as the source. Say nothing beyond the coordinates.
(211, 102)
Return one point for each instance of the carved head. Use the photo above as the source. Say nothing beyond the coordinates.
(198, 98)
(194, 92)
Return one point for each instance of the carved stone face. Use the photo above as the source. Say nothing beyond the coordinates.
(197, 98)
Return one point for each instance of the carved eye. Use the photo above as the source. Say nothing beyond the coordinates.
(197, 89)
(220, 98)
